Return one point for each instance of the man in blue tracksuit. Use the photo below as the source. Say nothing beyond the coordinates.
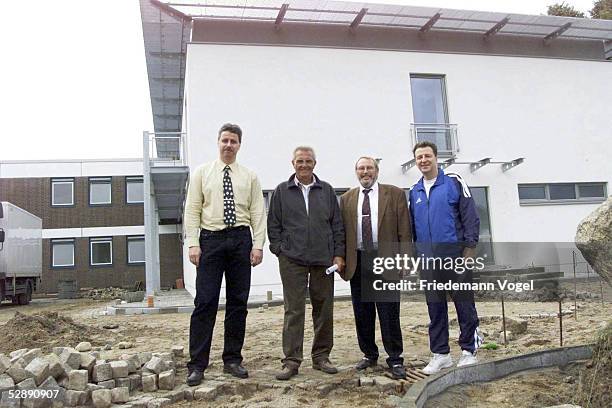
(446, 226)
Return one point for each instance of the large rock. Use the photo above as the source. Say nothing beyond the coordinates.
(5, 363)
(119, 368)
(71, 357)
(83, 346)
(594, 240)
(120, 394)
(149, 383)
(6, 382)
(17, 373)
(102, 372)
(77, 380)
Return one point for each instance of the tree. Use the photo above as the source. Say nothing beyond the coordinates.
(565, 10)
(602, 9)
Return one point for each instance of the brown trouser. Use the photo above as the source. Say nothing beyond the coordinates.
(296, 279)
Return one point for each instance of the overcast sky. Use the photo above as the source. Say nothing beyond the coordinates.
(74, 78)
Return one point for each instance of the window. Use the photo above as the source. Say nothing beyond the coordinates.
(136, 250)
(430, 113)
(339, 192)
(62, 192)
(134, 190)
(560, 193)
(101, 251)
(62, 253)
(100, 191)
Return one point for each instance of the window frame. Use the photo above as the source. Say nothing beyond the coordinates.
(100, 180)
(62, 241)
(62, 180)
(133, 179)
(99, 240)
(578, 200)
(133, 238)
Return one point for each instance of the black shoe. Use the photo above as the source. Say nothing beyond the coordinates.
(195, 378)
(365, 363)
(236, 370)
(398, 372)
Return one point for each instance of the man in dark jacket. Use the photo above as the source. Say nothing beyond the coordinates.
(446, 226)
(306, 233)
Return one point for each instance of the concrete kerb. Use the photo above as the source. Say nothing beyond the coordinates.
(420, 392)
(128, 310)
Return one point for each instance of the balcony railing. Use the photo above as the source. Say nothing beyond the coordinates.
(444, 135)
(166, 148)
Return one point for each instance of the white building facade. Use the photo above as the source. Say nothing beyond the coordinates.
(367, 90)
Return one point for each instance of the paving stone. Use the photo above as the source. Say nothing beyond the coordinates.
(124, 345)
(83, 346)
(135, 382)
(58, 350)
(101, 398)
(166, 380)
(6, 382)
(120, 394)
(5, 363)
(166, 356)
(155, 365)
(17, 372)
(141, 402)
(123, 382)
(18, 353)
(175, 395)
(158, 403)
(144, 357)
(56, 369)
(149, 383)
(207, 393)
(366, 381)
(71, 357)
(92, 387)
(119, 368)
(31, 355)
(27, 384)
(102, 372)
(8, 401)
(77, 380)
(87, 361)
(51, 384)
(384, 383)
(178, 351)
(63, 381)
(38, 368)
(188, 394)
(133, 362)
(108, 384)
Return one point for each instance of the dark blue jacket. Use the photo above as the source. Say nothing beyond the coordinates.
(449, 216)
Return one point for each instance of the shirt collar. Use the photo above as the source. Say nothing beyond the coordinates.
(221, 166)
(298, 183)
(374, 188)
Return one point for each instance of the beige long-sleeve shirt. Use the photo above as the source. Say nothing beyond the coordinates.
(204, 204)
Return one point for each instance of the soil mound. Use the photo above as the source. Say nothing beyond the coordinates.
(44, 330)
(595, 388)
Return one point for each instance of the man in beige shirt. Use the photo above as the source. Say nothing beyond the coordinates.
(224, 203)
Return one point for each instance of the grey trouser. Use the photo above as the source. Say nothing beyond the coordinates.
(296, 279)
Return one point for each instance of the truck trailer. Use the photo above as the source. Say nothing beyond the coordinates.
(20, 253)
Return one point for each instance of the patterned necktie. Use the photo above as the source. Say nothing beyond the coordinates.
(229, 209)
(366, 222)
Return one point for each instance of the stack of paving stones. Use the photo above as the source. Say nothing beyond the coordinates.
(76, 377)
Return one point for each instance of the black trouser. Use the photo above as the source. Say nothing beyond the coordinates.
(222, 251)
(365, 320)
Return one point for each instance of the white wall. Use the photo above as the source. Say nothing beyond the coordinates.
(346, 103)
(70, 168)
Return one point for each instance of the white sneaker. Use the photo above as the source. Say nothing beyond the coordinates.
(438, 362)
(467, 358)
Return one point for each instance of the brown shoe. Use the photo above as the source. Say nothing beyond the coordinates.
(326, 366)
(286, 373)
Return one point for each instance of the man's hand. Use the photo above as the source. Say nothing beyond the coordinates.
(338, 260)
(469, 252)
(194, 255)
(256, 257)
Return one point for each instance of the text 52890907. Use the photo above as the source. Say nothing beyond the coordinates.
(33, 394)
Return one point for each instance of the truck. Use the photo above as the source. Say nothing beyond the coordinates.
(20, 253)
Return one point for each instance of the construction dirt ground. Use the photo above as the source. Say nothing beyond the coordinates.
(46, 324)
